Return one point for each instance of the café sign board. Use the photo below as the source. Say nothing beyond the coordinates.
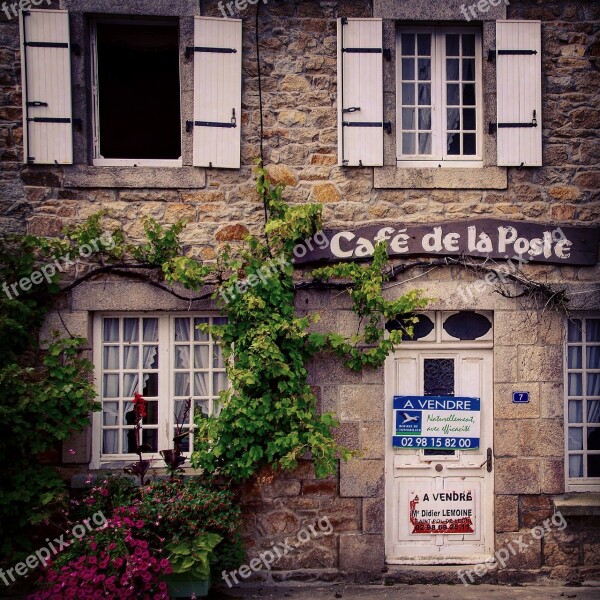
(484, 238)
(436, 422)
(444, 512)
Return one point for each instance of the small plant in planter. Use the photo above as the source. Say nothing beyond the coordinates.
(141, 466)
(191, 561)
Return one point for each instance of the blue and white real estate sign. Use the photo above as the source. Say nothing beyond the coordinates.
(436, 422)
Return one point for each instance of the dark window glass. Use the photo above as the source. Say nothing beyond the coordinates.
(438, 377)
(139, 91)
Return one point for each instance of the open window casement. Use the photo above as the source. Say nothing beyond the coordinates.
(217, 92)
(519, 89)
(46, 73)
(360, 92)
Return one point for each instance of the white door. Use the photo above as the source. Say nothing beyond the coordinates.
(439, 501)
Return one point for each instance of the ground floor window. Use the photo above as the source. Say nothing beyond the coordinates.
(583, 402)
(168, 360)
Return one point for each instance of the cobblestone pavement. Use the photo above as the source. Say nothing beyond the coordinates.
(414, 592)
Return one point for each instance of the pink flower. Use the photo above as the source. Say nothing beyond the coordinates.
(104, 492)
(71, 451)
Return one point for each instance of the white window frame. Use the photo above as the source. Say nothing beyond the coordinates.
(98, 159)
(166, 370)
(578, 484)
(438, 99)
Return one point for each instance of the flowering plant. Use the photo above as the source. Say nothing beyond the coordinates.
(115, 562)
(140, 467)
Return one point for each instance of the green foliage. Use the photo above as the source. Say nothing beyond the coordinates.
(163, 243)
(193, 557)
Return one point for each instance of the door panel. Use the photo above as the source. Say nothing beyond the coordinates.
(439, 502)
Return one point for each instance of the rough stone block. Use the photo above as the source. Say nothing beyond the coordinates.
(541, 437)
(75, 323)
(552, 403)
(553, 476)
(372, 437)
(505, 364)
(540, 363)
(562, 549)
(507, 513)
(362, 553)
(362, 478)
(329, 370)
(504, 407)
(520, 557)
(343, 513)
(513, 327)
(517, 476)
(373, 517)
(535, 510)
(319, 487)
(347, 435)
(506, 438)
(361, 402)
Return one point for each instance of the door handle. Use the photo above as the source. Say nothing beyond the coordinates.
(488, 461)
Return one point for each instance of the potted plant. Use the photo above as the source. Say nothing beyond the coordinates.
(191, 561)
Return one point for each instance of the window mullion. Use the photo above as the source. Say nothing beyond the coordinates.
(165, 370)
(439, 87)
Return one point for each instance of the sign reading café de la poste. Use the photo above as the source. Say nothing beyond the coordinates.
(486, 238)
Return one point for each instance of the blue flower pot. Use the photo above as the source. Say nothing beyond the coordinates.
(180, 587)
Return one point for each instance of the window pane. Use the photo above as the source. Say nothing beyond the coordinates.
(453, 94)
(131, 330)
(219, 383)
(468, 94)
(408, 44)
(200, 384)
(452, 46)
(111, 386)
(150, 357)
(424, 69)
(469, 122)
(149, 440)
(182, 357)
(592, 327)
(575, 411)
(593, 384)
(452, 69)
(408, 143)
(151, 417)
(424, 143)
(111, 357)
(425, 118)
(182, 384)
(182, 330)
(468, 44)
(424, 94)
(408, 118)
(469, 144)
(219, 320)
(574, 357)
(130, 384)
(576, 465)
(110, 442)
(575, 384)
(424, 44)
(453, 119)
(592, 357)
(201, 407)
(218, 360)
(201, 357)
(110, 412)
(408, 93)
(408, 69)
(150, 330)
(199, 336)
(438, 377)
(593, 439)
(593, 415)
(468, 69)
(131, 357)
(180, 412)
(593, 465)
(575, 438)
(111, 330)
(574, 334)
(453, 143)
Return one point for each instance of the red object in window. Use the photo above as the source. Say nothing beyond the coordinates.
(139, 405)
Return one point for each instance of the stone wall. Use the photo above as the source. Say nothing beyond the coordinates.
(298, 61)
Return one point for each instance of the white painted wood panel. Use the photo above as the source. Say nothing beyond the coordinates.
(360, 85)
(46, 74)
(217, 92)
(519, 89)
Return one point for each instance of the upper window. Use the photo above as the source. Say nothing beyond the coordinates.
(439, 95)
(171, 363)
(583, 403)
(136, 88)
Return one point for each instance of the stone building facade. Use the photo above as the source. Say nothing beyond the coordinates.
(526, 345)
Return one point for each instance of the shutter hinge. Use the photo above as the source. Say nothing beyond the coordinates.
(387, 125)
(36, 103)
(492, 53)
(46, 44)
(48, 120)
(190, 50)
(493, 127)
(387, 53)
(189, 125)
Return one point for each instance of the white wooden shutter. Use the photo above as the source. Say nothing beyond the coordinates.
(217, 92)
(46, 75)
(360, 92)
(519, 88)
